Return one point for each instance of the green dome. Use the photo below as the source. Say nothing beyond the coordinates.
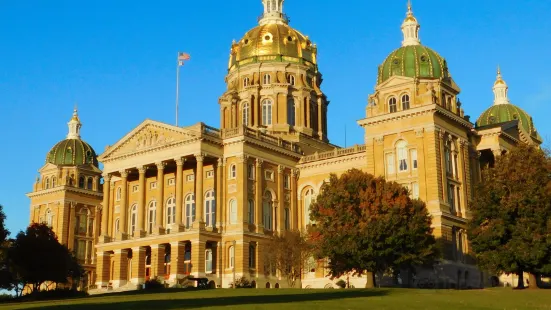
(72, 152)
(502, 113)
(416, 61)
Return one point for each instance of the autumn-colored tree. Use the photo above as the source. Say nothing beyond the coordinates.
(288, 253)
(510, 228)
(36, 256)
(365, 224)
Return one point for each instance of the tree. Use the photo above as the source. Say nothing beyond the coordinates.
(288, 253)
(510, 228)
(36, 257)
(6, 281)
(365, 224)
(4, 233)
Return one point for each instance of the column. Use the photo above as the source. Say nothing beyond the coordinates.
(160, 198)
(123, 206)
(199, 194)
(198, 258)
(258, 196)
(111, 210)
(320, 119)
(177, 267)
(244, 189)
(140, 232)
(105, 205)
(102, 269)
(158, 260)
(293, 212)
(279, 206)
(219, 189)
(256, 110)
(179, 192)
(219, 262)
(222, 206)
(72, 226)
(308, 114)
(138, 265)
(121, 268)
(443, 180)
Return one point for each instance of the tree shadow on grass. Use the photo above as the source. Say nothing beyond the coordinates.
(181, 301)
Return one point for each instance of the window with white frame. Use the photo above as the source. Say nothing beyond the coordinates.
(49, 218)
(267, 79)
(267, 211)
(413, 153)
(170, 211)
(210, 174)
(251, 211)
(392, 105)
(233, 211)
(405, 102)
(415, 190)
(47, 183)
(448, 156)
(232, 173)
(451, 197)
(245, 114)
(152, 216)
(231, 261)
(308, 199)
(208, 261)
(190, 178)
(250, 171)
(210, 209)
(390, 163)
(171, 182)
(267, 112)
(246, 82)
(402, 152)
(133, 219)
(53, 182)
(190, 210)
(118, 194)
(153, 185)
(117, 226)
(291, 79)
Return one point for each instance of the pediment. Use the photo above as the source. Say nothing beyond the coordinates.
(394, 81)
(148, 135)
(47, 167)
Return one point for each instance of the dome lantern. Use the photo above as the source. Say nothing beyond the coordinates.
(74, 126)
(500, 90)
(410, 28)
(273, 13)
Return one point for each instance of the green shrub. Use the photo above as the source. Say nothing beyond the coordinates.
(341, 283)
(154, 284)
(242, 283)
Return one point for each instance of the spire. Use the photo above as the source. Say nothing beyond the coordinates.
(410, 28)
(74, 125)
(273, 13)
(500, 89)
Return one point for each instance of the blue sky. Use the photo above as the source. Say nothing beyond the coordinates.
(117, 60)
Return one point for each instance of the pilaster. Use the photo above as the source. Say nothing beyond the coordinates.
(120, 274)
(138, 265)
(157, 260)
(177, 263)
(258, 196)
(140, 232)
(198, 258)
(103, 265)
(199, 193)
(159, 229)
(105, 206)
(123, 206)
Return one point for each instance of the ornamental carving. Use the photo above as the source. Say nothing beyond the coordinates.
(149, 138)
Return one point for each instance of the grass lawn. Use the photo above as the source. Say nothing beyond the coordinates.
(286, 299)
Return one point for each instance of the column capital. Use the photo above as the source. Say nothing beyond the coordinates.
(259, 162)
(295, 173)
(221, 162)
(280, 169)
(179, 161)
(142, 169)
(200, 157)
(160, 165)
(242, 158)
(124, 173)
(106, 177)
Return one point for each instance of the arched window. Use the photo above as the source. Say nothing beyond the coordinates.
(251, 211)
(233, 211)
(190, 210)
(231, 261)
(117, 226)
(252, 256)
(170, 211)
(267, 79)
(152, 216)
(133, 219)
(308, 198)
(232, 171)
(245, 114)
(267, 112)
(402, 153)
(210, 209)
(267, 210)
(291, 79)
(392, 105)
(49, 218)
(90, 183)
(208, 261)
(81, 182)
(246, 82)
(54, 181)
(118, 194)
(47, 183)
(405, 102)
(291, 118)
(83, 221)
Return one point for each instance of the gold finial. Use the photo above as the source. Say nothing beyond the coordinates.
(498, 71)
(409, 7)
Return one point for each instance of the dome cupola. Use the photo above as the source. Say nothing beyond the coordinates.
(72, 151)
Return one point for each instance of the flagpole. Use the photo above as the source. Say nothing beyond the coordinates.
(177, 85)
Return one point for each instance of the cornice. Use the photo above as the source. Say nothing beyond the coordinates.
(64, 188)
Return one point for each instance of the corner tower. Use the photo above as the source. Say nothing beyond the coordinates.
(273, 82)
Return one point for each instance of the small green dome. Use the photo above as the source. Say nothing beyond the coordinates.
(416, 61)
(502, 113)
(72, 152)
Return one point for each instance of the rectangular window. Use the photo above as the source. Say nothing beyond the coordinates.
(414, 159)
(208, 261)
(135, 188)
(287, 219)
(252, 256)
(458, 198)
(153, 185)
(269, 175)
(390, 164)
(250, 172)
(251, 211)
(171, 182)
(415, 190)
(210, 174)
(81, 249)
(287, 181)
(451, 194)
(456, 172)
(190, 178)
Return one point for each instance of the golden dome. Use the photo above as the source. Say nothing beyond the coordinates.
(273, 42)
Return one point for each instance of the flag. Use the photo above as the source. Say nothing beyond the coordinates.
(182, 57)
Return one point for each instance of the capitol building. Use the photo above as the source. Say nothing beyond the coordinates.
(202, 201)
